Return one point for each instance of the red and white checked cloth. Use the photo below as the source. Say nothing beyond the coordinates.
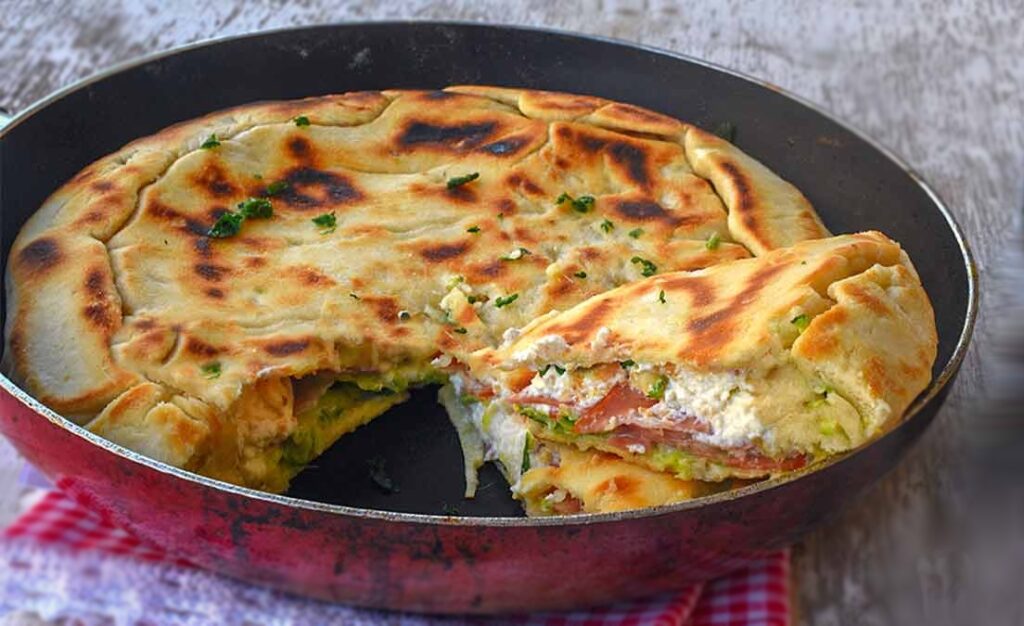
(757, 595)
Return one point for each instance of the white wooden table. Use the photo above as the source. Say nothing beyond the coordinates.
(939, 82)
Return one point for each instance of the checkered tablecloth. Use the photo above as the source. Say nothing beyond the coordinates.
(62, 560)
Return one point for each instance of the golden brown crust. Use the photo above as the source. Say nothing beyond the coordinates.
(115, 282)
(601, 483)
(765, 212)
(834, 337)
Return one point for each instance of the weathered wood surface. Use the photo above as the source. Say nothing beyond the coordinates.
(939, 82)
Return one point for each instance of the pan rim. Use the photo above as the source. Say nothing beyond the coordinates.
(936, 387)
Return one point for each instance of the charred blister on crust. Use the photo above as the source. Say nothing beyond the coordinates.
(99, 314)
(211, 272)
(646, 211)
(457, 137)
(286, 347)
(586, 325)
(712, 332)
(200, 348)
(101, 186)
(385, 307)
(519, 181)
(310, 276)
(632, 159)
(309, 188)
(215, 181)
(215, 292)
(40, 255)
(300, 149)
(444, 252)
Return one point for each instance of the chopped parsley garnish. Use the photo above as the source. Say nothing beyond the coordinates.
(256, 208)
(526, 453)
(276, 187)
(460, 330)
(473, 299)
(636, 232)
(404, 315)
(607, 226)
(210, 143)
(211, 370)
(301, 120)
(661, 296)
(580, 274)
(379, 475)
(227, 225)
(646, 267)
(628, 363)
(466, 400)
(459, 181)
(580, 205)
(801, 322)
(258, 176)
(327, 223)
(515, 255)
(713, 241)
(725, 130)
(657, 389)
(501, 301)
(560, 370)
(353, 296)
(473, 229)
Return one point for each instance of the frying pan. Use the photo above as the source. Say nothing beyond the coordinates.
(336, 535)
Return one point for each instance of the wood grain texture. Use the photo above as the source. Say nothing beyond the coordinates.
(940, 83)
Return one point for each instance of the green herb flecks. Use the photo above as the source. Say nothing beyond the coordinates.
(801, 322)
(607, 226)
(227, 225)
(327, 222)
(628, 363)
(353, 296)
(725, 130)
(582, 204)
(210, 143)
(256, 208)
(473, 229)
(276, 187)
(636, 232)
(580, 274)
(473, 298)
(657, 389)
(501, 301)
(544, 370)
(661, 296)
(461, 330)
(526, 453)
(466, 400)
(211, 370)
(301, 120)
(647, 268)
(459, 181)
(515, 255)
(713, 241)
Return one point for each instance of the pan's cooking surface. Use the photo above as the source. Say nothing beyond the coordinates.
(442, 565)
(407, 460)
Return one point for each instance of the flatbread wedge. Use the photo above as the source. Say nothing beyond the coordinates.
(551, 478)
(742, 370)
(203, 294)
